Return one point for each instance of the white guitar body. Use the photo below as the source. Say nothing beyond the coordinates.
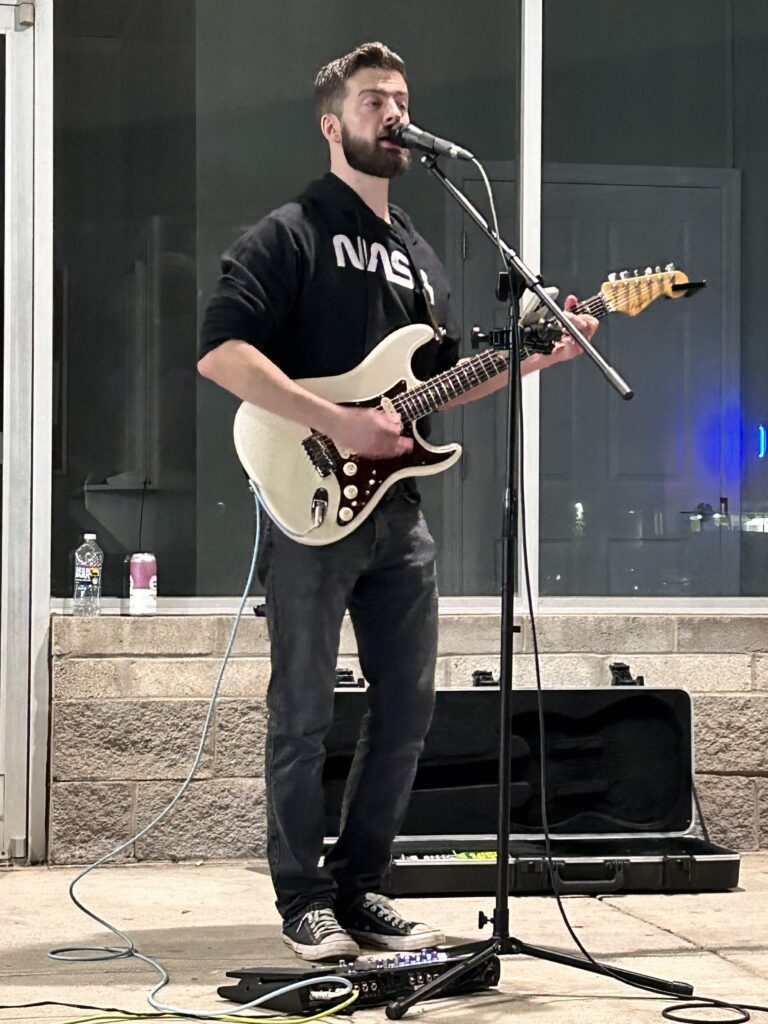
(320, 508)
(317, 494)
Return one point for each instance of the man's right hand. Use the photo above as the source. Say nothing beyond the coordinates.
(249, 374)
(373, 433)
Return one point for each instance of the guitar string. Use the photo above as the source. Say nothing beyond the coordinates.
(483, 367)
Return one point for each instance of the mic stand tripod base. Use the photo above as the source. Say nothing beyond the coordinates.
(498, 946)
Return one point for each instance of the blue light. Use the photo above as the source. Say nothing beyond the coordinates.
(762, 435)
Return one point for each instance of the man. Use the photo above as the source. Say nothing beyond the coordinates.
(308, 292)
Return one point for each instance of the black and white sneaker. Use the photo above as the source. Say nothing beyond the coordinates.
(373, 921)
(317, 935)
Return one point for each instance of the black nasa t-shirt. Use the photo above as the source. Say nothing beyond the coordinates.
(319, 282)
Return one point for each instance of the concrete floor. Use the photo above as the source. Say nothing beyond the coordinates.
(201, 920)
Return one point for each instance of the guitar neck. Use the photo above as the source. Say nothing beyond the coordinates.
(469, 374)
(595, 306)
(438, 391)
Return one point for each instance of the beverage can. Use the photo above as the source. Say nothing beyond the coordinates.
(143, 584)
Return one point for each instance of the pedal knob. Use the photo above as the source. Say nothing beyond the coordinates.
(345, 514)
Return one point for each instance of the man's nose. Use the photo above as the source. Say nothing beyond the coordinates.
(393, 113)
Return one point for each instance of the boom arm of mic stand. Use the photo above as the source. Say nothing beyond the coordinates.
(533, 282)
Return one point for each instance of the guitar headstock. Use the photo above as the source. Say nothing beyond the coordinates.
(631, 293)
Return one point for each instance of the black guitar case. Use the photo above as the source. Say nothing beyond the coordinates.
(619, 794)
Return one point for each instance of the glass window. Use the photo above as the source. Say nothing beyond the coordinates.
(651, 158)
(177, 127)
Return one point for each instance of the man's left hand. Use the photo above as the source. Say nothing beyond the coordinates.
(567, 347)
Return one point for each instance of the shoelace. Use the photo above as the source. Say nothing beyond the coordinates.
(387, 913)
(322, 923)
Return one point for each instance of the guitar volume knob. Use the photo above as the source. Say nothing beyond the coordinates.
(349, 469)
(350, 491)
(345, 514)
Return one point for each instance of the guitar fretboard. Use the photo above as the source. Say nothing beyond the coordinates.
(438, 391)
(595, 306)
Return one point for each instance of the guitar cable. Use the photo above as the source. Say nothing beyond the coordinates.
(675, 1011)
(89, 954)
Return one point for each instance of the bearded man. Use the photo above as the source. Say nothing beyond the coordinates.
(310, 291)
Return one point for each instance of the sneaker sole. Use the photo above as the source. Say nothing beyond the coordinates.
(332, 949)
(404, 943)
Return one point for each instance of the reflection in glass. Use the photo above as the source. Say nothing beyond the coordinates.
(656, 172)
(177, 127)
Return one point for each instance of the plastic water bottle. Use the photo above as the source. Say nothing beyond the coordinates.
(89, 560)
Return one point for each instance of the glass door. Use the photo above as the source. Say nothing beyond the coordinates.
(17, 98)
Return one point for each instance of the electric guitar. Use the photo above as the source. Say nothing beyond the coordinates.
(317, 493)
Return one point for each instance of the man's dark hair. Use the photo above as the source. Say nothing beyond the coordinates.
(331, 80)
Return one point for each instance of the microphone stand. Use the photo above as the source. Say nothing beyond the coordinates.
(501, 942)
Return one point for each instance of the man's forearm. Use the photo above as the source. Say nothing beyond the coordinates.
(251, 376)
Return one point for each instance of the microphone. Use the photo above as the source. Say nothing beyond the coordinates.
(411, 137)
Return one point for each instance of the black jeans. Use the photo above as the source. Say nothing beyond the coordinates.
(384, 573)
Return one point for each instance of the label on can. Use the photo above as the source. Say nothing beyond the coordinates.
(143, 584)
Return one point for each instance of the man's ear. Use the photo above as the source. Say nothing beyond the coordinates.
(330, 126)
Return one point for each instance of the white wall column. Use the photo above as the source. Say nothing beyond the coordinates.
(16, 23)
(531, 64)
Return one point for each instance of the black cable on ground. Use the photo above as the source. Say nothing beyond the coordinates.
(69, 1006)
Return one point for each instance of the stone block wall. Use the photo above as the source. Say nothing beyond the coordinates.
(130, 697)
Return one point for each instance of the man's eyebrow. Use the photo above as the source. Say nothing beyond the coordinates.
(385, 92)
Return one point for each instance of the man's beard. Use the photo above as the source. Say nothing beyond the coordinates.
(373, 159)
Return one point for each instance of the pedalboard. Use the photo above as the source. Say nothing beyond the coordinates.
(376, 980)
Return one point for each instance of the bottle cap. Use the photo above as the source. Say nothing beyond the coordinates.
(89, 536)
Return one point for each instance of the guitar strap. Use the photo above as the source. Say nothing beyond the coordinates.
(418, 284)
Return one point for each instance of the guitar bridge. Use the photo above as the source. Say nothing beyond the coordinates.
(322, 453)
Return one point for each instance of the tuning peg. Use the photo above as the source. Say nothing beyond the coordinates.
(649, 270)
(624, 275)
(637, 272)
(658, 270)
(612, 277)
(670, 266)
